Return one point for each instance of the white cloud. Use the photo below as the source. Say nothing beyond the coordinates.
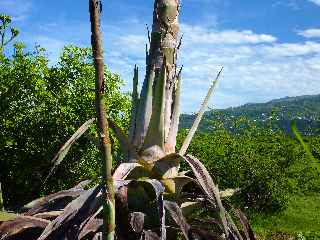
(201, 35)
(253, 72)
(317, 2)
(310, 33)
(292, 49)
(257, 67)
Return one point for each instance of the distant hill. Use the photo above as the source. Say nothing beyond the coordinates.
(277, 113)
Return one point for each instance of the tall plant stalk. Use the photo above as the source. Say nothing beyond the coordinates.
(154, 124)
(95, 7)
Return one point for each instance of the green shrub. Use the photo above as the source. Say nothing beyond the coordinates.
(268, 166)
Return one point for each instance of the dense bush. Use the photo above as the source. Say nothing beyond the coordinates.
(41, 107)
(266, 165)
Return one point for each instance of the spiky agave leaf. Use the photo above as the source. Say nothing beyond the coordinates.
(73, 215)
(124, 170)
(53, 202)
(176, 214)
(174, 125)
(135, 104)
(125, 144)
(209, 188)
(198, 119)
(158, 191)
(91, 225)
(137, 221)
(155, 133)
(66, 147)
(22, 227)
(144, 111)
(136, 195)
(246, 225)
(48, 215)
(129, 225)
(233, 229)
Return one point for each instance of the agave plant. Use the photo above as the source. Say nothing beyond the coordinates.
(148, 183)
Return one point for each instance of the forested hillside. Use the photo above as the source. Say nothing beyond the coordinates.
(278, 114)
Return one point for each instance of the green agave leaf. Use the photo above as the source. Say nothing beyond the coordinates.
(138, 173)
(155, 133)
(66, 147)
(6, 216)
(48, 215)
(145, 110)
(135, 104)
(198, 119)
(171, 141)
(123, 139)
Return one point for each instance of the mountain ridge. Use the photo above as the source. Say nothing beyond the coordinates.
(304, 109)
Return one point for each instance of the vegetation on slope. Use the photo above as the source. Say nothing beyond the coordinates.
(277, 113)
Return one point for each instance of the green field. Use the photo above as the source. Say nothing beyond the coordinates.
(301, 220)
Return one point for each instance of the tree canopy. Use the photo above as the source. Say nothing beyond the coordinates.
(41, 106)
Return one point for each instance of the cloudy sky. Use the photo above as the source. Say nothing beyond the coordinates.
(269, 49)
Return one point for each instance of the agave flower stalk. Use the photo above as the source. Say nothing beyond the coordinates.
(102, 122)
(155, 115)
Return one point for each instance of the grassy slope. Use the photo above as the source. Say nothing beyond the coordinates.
(301, 216)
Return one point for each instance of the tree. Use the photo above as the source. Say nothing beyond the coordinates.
(42, 105)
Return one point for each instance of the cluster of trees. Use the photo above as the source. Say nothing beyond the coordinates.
(41, 107)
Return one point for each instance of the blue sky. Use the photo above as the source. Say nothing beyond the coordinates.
(269, 49)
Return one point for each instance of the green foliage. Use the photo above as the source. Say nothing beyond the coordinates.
(41, 107)
(5, 21)
(266, 165)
